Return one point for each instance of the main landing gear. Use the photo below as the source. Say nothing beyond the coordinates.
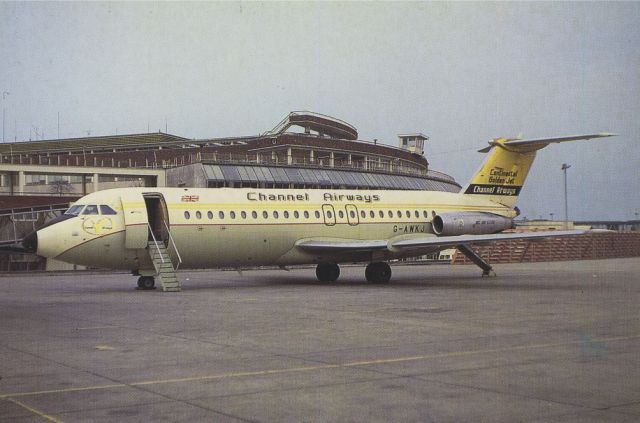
(146, 282)
(379, 272)
(327, 272)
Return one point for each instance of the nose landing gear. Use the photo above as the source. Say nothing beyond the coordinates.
(146, 282)
(378, 272)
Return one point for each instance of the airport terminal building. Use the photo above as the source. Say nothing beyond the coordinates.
(327, 154)
(39, 179)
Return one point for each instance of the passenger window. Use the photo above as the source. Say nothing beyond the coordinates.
(104, 209)
(341, 214)
(198, 215)
(372, 214)
(317, 214)
(353, 214)
(390, 213)
(187, 215)
(243, 214)
(221, 214)
(232, 214)
(265, 214)
(363, 214)
(399, 213)
(286, 214)
(296, 214)
(417, 213)
(407, 213)
(381, 213)
(91, 209)
(210, 215)
(254, 214)
(425, 214)
(329, 214)
(275, 214)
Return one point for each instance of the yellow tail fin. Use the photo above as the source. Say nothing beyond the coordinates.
(504, 171)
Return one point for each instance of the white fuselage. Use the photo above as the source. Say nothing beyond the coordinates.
(241, 227)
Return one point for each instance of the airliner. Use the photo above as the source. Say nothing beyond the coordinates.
(154, 231)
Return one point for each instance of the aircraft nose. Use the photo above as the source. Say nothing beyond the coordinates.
(30, 242)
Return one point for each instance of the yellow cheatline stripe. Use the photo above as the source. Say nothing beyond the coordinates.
(318, 367)
(134, 204)
(33, 410)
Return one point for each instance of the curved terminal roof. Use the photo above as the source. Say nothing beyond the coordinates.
(323, 124)
(233, 175)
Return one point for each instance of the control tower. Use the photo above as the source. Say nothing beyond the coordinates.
(414, 143)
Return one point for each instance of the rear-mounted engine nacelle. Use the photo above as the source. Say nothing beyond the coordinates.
(450, 224)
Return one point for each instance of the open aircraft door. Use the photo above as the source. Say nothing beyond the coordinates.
(329, 214)
(352, 214)
(135, 220)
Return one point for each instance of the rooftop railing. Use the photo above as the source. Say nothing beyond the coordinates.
(390, 167)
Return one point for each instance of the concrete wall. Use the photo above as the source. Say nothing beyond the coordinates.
(192, 176)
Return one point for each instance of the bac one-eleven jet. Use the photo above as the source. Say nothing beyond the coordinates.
(152, 231)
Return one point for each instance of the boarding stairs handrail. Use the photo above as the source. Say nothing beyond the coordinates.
(175, 247)
(155, 241)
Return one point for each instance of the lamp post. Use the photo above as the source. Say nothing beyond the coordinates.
(566, 202)
(4, 110)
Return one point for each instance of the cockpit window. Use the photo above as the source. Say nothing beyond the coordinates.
(91, 209)
(74, 210)
(104, 209)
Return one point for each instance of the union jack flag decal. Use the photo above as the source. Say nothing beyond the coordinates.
(190, 198)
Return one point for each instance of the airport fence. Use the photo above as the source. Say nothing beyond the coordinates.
(580, 247)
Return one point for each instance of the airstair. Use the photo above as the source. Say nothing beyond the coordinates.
(163, 263)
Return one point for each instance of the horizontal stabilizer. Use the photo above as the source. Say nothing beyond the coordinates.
(543, 142)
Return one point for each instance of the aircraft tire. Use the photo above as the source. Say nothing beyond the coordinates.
(146, 282)
(327, 272)
(378, 272)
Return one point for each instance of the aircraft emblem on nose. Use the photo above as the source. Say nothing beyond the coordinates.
(97, 226)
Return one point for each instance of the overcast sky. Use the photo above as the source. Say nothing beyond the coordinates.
(461, 73)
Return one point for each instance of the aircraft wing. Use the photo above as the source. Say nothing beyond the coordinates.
(327, 245)
(452, 241)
